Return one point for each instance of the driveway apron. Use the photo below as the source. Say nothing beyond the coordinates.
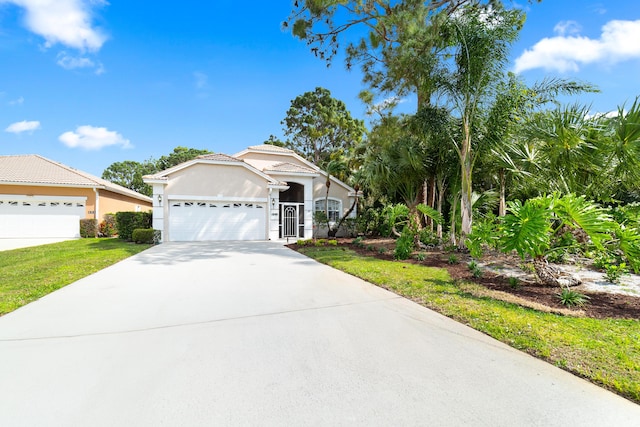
(252, 333)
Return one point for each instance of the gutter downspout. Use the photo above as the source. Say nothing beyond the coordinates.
(96, 210)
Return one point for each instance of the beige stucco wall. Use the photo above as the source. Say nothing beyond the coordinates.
(336, 191)
(217, 180)
(111, 202)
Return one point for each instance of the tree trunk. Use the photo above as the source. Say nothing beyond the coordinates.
(466, 184)
(432, 202)
(452, 233)
(551, 276)
(425, 200)
(502, 210)
(439, 209)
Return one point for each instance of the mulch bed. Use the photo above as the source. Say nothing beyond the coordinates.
(600, 305)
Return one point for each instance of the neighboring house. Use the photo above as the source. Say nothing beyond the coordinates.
(264, 192)
(42, 198)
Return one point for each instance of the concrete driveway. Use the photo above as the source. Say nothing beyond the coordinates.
(255, 334)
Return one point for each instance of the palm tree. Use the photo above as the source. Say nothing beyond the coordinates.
(483, 36)
(529, 227)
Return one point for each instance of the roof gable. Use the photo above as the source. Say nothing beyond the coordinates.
(210, 159)
(281, 152)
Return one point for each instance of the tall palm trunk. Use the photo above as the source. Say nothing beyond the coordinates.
(441, 189)
(466, 183)
(502, 210)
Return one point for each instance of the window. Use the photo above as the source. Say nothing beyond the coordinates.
(335, 208)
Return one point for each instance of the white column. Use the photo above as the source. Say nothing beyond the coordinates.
(308, 208)
(274, 206)
(160, 203)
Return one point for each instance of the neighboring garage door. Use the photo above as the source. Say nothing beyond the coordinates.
(40, 216)
(202, 221)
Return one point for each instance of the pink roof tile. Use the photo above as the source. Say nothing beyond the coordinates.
(35, 169)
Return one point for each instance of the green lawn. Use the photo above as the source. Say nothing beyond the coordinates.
(606, 352)
(29, 273)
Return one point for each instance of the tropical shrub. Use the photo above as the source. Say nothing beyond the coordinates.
(88, 227)
(404, 244)
(126, 222)
(572, 298)
(108, 226)
(143, 235)
(613, 273)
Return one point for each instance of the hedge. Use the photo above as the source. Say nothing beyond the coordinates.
(143, 235)
(126, 222)
(88, 227)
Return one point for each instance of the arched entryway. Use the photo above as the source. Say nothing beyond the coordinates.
(291, 214)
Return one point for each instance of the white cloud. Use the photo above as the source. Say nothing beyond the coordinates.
(93, 138)
(567, 27)
(618, 42)
(67, 22)
(23, 126)
(18, 101)
(70, 62)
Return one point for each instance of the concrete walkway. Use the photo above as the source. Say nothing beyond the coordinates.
(247, 334)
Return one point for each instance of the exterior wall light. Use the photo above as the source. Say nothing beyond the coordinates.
(160, 199)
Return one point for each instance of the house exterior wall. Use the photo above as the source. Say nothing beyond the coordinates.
(336, 191)
(218, 181)
(36, 190)
(111, 202)
(207, 182)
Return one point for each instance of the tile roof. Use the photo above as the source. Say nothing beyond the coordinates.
(35, 169)
(270, 148)
(219, 157)
(288, 167)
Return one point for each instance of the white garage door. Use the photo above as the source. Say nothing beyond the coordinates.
(40, 216)
(202, 221)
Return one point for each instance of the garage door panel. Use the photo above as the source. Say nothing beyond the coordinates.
(202, 221)
(50, 217)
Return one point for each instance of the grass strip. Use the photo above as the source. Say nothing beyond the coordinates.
(30, 273)
(604, 351)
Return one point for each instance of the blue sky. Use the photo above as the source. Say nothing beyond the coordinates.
(88, 83)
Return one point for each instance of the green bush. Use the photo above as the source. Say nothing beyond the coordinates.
(88, 227)
(615, 272)
(404, 245)
(108, 226)
(143, 235)
(571, 298)
(126, 222)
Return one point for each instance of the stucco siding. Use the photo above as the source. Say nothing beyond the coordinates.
(218, 181)
(111, 202)
(33, 190)
(336, 191)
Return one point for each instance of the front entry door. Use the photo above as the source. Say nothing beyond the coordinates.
(289, 220)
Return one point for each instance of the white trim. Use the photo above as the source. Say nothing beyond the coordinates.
(335, 199)
(43, 197)
(163, 181)
(217, 198)
(310, 174)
